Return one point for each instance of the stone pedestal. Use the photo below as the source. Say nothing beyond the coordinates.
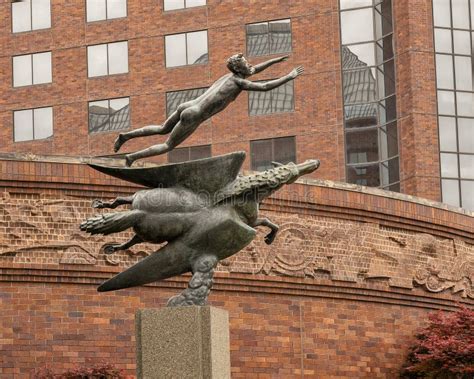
(183, 342)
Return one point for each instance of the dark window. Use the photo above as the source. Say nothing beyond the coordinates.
(105, 9)
(32, 69)
(31, 15)
(183, 154)
(186, 48)
(271, 37)
(109, 115)
(32, 124)
(264, 152)
(107, 59)
(280, 99)
(175, 98)
(170, 5)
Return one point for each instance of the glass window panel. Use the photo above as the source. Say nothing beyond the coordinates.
(98, 115)
(119, 114)
(280, 36)
(197, 47)
(462, 42)
(465, 104)
(449, 165)
(446, 102)
(386, 79)
(384, 49)
(442, 13)
(467, 194)
(181, 154)
(284, 150)
(258, 39)
(466, 135)
(43, 122)
(23, 125)
(282, 98)
(200, 152)
(361, 115)
(96, 10)
(466, 163)
(388, 141)
(170, 5)
(259, 102)
(361, 55)
(261, 152)
(389, 172)
(367, 175)
(175, 98)
(460, 10)
(195, 3)
(118, 58)
(359, 86)
(443, 43)
(450, 190)
(116, 8)
(175, 46)
(383, 18)
(447, 134)
(444, 71)
(387, 110)
(21, 16)
(394, 187)
(22, 71)
(41, 13)
(464, 80)
(347, 4)
(362, 146)
(97, 60)
(357, 26)
(42, 72)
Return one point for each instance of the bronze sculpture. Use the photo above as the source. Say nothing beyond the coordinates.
(188, 116)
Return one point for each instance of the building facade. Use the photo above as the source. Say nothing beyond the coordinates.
(379, 236)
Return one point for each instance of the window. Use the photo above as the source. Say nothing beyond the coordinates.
(277, 100)
(107, 59)
(170, 5)
(454, 55)
(105, 9)
(183, 154)
(32, 69)
(109, 115)
(368, 89)
(32, 124)
(31, 15)
(173, 99)
(266, 151)
(186, 48)
(271, 37)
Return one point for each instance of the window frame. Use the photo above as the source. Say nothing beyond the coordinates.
(31, 19)
(186, 43)
(32, 69)
(272, 139)
(33, 124)
(89, 132)
(107, 56)
(181, 9)
(268, 22)
(106, 13)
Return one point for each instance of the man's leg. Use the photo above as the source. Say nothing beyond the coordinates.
(147, 131)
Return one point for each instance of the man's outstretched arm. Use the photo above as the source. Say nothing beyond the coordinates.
(264, 65)
(271, 84)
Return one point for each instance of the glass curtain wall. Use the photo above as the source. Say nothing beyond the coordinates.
(368, 85)
(454, 48)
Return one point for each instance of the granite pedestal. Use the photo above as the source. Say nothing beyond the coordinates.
(183, 342)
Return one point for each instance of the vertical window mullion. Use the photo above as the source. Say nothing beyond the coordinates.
(31, 16)
(33, 123)
(186, 44)
(32, 70)
(107, 45)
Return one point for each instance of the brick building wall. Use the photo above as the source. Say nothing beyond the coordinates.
(316, 121)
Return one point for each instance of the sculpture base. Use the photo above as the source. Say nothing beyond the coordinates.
(183, 342)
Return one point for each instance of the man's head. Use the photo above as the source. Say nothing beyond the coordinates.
(239, 65)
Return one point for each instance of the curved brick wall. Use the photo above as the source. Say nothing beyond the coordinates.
(350, 277)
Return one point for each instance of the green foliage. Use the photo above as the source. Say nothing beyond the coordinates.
(444, 349)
